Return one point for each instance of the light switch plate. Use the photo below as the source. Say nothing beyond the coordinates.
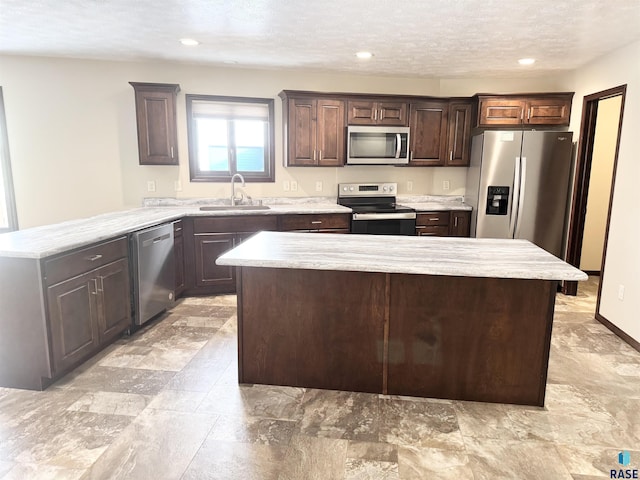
(151, 185)
(318, 186)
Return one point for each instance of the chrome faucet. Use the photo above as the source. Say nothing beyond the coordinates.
(233, 188)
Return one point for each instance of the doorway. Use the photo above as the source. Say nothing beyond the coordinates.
(594, 184)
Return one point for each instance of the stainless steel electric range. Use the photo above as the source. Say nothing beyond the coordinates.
(375, 210)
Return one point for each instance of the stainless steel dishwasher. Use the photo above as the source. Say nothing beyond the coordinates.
(153, 271)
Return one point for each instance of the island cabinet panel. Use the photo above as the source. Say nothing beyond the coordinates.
(480, 339)
(330, 339)
(428, 123)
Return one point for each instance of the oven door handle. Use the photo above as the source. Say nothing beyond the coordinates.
(384, 216)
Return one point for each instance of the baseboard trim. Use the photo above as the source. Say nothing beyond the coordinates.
(631, 341)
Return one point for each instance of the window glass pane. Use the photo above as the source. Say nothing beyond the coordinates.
(213, 151)
(250, 143)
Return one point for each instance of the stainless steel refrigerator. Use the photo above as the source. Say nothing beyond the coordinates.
(517, 184)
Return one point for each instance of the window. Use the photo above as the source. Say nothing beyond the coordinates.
(229, 135)
(8, 217)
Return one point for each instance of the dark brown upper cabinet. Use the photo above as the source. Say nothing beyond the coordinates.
(375, 112)
(156, 118)
(551, 109)
(428, 132)
(459, 134)
(314, 131)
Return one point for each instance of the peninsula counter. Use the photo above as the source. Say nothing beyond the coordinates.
(453, 318)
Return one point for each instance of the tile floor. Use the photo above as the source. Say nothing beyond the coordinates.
(164, 404)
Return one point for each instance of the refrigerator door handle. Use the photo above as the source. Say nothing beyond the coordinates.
(523, 182)
(515, 199)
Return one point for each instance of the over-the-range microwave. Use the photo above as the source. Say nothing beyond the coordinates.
(377, 145)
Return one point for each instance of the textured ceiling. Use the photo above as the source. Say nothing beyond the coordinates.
(428, 38)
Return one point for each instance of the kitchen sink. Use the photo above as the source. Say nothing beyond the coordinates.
(218, 208)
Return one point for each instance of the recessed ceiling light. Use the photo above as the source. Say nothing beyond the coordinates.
(364, 55)
(189, 42)
(527, 61)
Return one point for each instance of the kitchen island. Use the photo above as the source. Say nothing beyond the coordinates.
(454, 318)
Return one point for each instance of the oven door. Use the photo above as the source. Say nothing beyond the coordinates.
(381, 224)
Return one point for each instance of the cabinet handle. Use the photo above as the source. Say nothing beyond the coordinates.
(316, 222)
(434, 219)
(172, 152)
(314, 155)
(100, 287)
(381, 115)
(375, 114)
(95, 286)
(411, 155)
(451, 156)
(93, 258)
(320, 159)
(455, 221)
(521, 114)
(528, 113)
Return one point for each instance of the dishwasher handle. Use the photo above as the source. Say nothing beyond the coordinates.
(153, 241)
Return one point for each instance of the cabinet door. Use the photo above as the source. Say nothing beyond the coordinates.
(156, 117)
(302, 132)
(178, 252)
(500, 111)
(548, 111)
(330, 133)
(73, 320)
(459, 223)
(459, 137)
(391, 113)
(114, 300)
(428, 127)
(361, 112)
(208, 247)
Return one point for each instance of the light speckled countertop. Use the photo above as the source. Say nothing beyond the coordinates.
(48, 240)
(463, 257)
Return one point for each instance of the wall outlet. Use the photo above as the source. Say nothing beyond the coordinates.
(620, 292)
(151, 185)
(445, 185)
(318, 186)
(294, 186)
(177, 185)
(285, 186)
(409, 186)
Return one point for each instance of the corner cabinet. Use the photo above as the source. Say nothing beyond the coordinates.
(550, 109)
(156, 119)
(314, 131)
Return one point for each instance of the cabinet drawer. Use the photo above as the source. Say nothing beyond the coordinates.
(433, 219)
(434, 231)
(177, 228)
(245, 223)
(315, 221)
(67, 266)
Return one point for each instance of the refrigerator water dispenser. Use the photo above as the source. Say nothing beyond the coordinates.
(497, 200)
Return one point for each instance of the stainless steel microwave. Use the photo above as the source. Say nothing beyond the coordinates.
(377, 145)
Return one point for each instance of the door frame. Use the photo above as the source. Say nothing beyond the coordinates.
(578, 216)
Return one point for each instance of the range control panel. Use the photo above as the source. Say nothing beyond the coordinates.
(367, 189)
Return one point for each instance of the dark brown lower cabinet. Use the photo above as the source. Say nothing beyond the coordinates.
(88, 311)
(443, 224)
(208, 247)
(459, 223)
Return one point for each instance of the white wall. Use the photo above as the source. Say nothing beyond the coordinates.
(604, 150)
(622, 263)
(73, 139)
